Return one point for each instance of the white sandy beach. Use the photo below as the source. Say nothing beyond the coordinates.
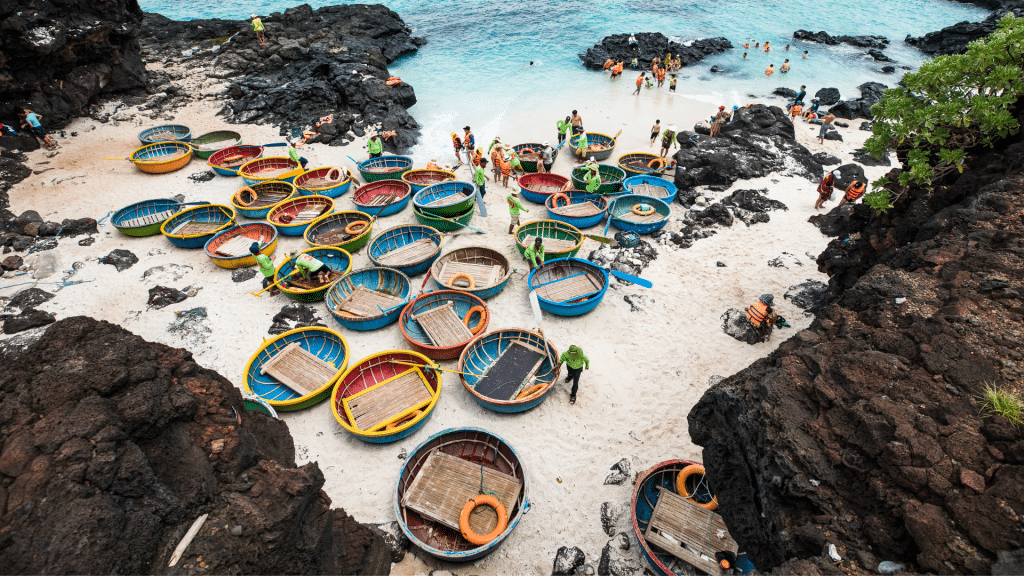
(648, 368)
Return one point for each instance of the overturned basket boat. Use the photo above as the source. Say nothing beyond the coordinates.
(348, 230)
(420, 179)
(410, 248)
(600, 145)
(577, 209)
(510, 370)
(194, 227)
(384, 168)
(269, 168)
(296, 369)
(257, 200)
(144, 218)
(479, 271)
(226, 162)
(640, 214)
(331, 181)
(368, 299)
(530, 155)
(387, 396)
(651, 186)
(205, 145)
(568, 286)
(538, 187)
(639, 163)
(445, 198)
(561, 240)
(447, 223)
(293, 217)
(161, 157)
(382, 198)
(165, 133)
(300, 289)
(441, 323)
(611, 178)
(457, 459)
(230, 248)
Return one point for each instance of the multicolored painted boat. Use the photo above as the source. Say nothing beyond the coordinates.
(387, 396)
(530, 155)
(349, 230)
(628, 213)
(162, 157)
(204, 146)
(194, 227)
(600, 145)
(293, 217)
(382, 198)
(230, 248)
(365, 312)
(324, 344)
(561, 240)
(409, 248)
(145, 218)
(420, 179)
(384, 168)
(487, 350)
(445, 198)
(568, 286)
(537, 188)
(577, 209)
(488, 271)
(457, 453)
(640, 163)
(472, 311)
(651, 186)
(611, 178)
(257, 200)
(332, 181)
(444, 223)
(301, 290)
(269, 168)
(165, 133)
(226, 162)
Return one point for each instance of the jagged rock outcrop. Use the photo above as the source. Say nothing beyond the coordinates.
(651, 45)
(870, 94)
(113, 446)
(954, 39)
(822, 37)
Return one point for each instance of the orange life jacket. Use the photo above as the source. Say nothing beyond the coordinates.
(431, 166)
(853, 193)
(607, 63)
(757, 313)
(476, 157)
(456, 142)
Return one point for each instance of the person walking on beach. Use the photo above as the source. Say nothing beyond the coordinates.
(825, 188)
(257, 27)
(457, 144)
(672, 84)
(577, 122)
(33, 122)
(514, 209)
(853, 192)
(826, 122)
(720, 119)
(266, 265)
(639, 83)
(534, 253)
(506, 170)
(469, 143)
(785, 67)
(375, 146)
(655, 130)
(668, 140)
(574, 359)
(563, 127)
(496, 160)
(794, 111)
(547, 156)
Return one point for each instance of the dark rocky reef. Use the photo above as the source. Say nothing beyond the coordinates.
(822, 37)
(651, 45)
(870, 94)
(954, 39)
(113, 446)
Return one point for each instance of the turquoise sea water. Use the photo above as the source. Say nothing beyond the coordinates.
(474, 70)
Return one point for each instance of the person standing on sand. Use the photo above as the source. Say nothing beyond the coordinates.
(794, 111)
(574, 359)
(506, 171)
(534, 253)
(32, 121)
(375, 146)
(639, 83)
(480, 177)
(577, 122)
(469, 143)
(826, 122)
(547, 156)
(266, 265)
(496, 161)
(514, 208)
(668, 140)
(672, 84)
(825, 188)
(257, 27)
(801, 94)
(655, 130)
(563, 127)
(853, 192)
(785, 67)
(720, 118)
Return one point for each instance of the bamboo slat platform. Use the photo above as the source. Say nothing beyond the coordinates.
(443, 326)
(581, 210)
(190, 227)
(569, 288)
(677, 521)
(299, 370)
(380, 200)
(543, 188)
(147, 220)
(364, 303)
(650, 190)
(237, 246)
(311, 284)
(388, 401)
(445, 200)
(410, 253)
(265, 199)
(631, 217)
(446, 483)
(483, 275)
(511, 372)
(552, 245)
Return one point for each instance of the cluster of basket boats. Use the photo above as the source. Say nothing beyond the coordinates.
(390, 395)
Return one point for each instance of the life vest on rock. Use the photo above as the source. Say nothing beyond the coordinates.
(757, 313)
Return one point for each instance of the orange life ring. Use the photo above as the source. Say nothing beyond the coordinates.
(474, 310)
(530, 391)
(684, 474)
(641, 212)
(243, 203)
(452, 280)
(357, 227)
(559, 196)
(659, 161)
(334, 174)
(526, 151)
(482, 500)
(401, 422)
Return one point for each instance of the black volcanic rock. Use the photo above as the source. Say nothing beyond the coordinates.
(822, 37)
(827, 96)
(651, 45)
(954, 39)
(870, 94)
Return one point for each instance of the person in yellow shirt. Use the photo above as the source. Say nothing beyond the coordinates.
(257, 26)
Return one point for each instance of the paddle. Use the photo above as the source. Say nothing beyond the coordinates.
(257, 294)
(428, 366)
(457, 223)
(480, 202)
(535, 305)
(634, 279)
(609, 224)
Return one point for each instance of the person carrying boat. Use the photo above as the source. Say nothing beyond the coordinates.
(853, 192)
(469, 143)
(375, 146)
(534, 253)
(574, 359)
(763, 317)
(480, 177)
(266, 265)
(308, 266)
(515, 207)
(563, 126)
(258, 28)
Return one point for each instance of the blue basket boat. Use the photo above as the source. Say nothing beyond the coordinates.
(525, 349)
(365, 402)
(165, 133)
(384, 168)
(194, 227)
(539, 186)
(472, 310)
(626, 218)
(309, 290)
(383, 293)
(652, 187)
(257, 200)
(569, 286)
(482, 452)
(331, 181)
(600, 145)
(145, 218)
(445, 198)
(577, 209)
(382, 198)
(488, 271)
(230, 248)
(323, 343)
(410, 248)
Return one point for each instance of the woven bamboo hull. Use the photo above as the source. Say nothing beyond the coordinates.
(420, 179)
(323, 343)
(402, 164)
(645, 497)
(336, 259)
(248, 153)
(549, 229)
(474, 255)
(627, 163)
(149, 158)
(400, 236)
(462, 302)
(165, 133)
(380, 279)
(250, 170)
(579, 221)
(595, 138)
(212, 213)
(613, 174)
(568, 266)
(625, 204)
(222, 139)
(252, 231)
(140, 209)
(455, 197)
(261, 213)
(444, 225)
(373, 370)
(335, 221)
(545, 179)
(364, 194)
(483, 351)
(665, 183)
(530, 166)
(330, 191)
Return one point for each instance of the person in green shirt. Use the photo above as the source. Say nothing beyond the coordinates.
(257, 27)
(593, 182)
(514, 161)
(514, 208)
(574, 360)
(582, 146)
(308, 266)
(480, 177)
(375, 146)
(563, 128)
(265, 264)
(534, 253)
(293, 153)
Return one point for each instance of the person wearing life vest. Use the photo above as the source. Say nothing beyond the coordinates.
(496, 160)
(762, 316)
(608, 63)
(825, 188)
(309, 266)
(469, 143)
(478, 156)
(375, 146)
(457, 144)
(257, 27)
(432, 165)
(853, 192)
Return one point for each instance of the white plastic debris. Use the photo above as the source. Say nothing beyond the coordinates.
(901, 300)
(833, 553)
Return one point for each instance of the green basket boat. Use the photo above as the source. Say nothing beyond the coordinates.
(561, 240)
(384, 168)
(445, 223)
(204, 146)
(330, 230)
(611, 178)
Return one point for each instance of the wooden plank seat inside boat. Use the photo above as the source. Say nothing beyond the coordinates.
(443, 326)
(299, 370)
(147, 220)
(380, 200)
(552, 245)
(190, 227)
(271, 171)
(636, 218)
(239, 246)
(311, 283)
(383, 169)
(677, 521)
(580, 210)
(365, 303)
(511, 372)
(569, 288)
(410, 253)
(483, 275)
(332, 237)
(444, 200)
(446, 483)
(649, 190)
(389, 401)
(543, 188)
(264, 199)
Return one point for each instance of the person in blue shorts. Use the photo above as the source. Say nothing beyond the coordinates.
(33, 122)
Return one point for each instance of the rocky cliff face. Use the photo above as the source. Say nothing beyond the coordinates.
(651, 45)
(954, 39)
(113, 446)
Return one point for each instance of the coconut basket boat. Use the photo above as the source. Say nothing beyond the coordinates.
(269, 168)
(538, 187)
(349, 230)
(530, 155)
(640, 214)
(293, 217)
(445, 198)
(145, 218)
(410, 248)
(611, 178)
(510, 370)
(384, 168)
(331, 181)
(651, 186)
(194, 227)
(226, 162)
(568, 286)
(479, 271)
(296, 369)
(257, 200)
(448, 223)
(230, 248)
(204, 146)
(577, 209)
(640, 163)
(368, 299)
(561, 240)
(300, 289)
(165, 133)
(420, 179)
(161, 157)
(600, 145)
(387, 396)
(382, 198)
(440, 324)
(458, 458)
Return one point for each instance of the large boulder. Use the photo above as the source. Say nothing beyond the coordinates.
(954, 39)
(651, 45)
(870, 94)
(827, 96)
(822, 37)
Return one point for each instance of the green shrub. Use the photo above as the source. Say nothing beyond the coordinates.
(1005, 403)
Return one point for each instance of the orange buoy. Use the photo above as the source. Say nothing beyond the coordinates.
(357, 227)
(681, 489)
(474, 310)
(472, 284)
(482, 500)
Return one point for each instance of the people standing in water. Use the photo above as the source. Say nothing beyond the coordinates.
(805, 53)
(655, 130)
(575, 360)
(785, 66)
(258, 28)
(767, 47)
(639, 83)
(770, 70)
(672, 84)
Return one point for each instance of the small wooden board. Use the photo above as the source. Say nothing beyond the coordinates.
(450, 199)
(299, 370)
(410, 253)
(237, 247)
(544, 189)
(388, 401)
(298, 282)
(677, 521)
(443, 326)
(483, 275)
(147, 220)
(637, 219)
(193, 227)
(650, 190)
(552, 245)
(578, 210)
(514, 368)
(266, 199)
(445, 483)
(380, 200)
(383, 170)
(568, 288)
(363, 302)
